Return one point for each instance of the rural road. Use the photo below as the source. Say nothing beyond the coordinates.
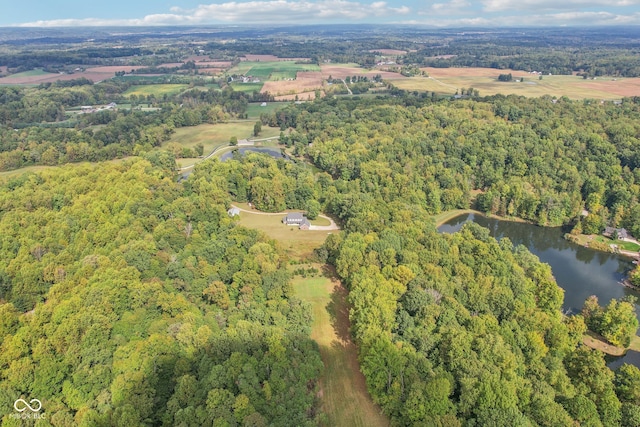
(332, 226)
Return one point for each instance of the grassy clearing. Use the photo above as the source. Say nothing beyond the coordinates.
(344, 397)
(155, 89)
(213, 136)
(627, 246)
(570, 86)
(298, 243)
(32, 73)
(254, 109)
(597, 342)
(247, 87)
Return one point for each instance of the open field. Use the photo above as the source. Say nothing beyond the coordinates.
(341, 71)
(264, 69)
(213, 136)
(94, 74)
(302, 96)
(305, 82)
(157, 90)
(271, 58)
(247, 87)
(343, 394)
(254, 109)
(298, 243)
(485, 80)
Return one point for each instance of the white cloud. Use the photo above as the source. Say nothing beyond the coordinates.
(454, 6)
(260, 11)
(502, 5)
(532, 20)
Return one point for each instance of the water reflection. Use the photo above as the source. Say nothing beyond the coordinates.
(276, 153)
(580, 271)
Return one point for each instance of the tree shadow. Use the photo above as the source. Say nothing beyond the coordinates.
(338, 310)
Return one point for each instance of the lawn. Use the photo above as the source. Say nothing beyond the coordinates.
(157, 90)
(343, 393)
(627, 246)
(298, 243)
(448, 81)
(247, 87)
(254, 109)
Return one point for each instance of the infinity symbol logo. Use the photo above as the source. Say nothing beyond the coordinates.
(26, 405)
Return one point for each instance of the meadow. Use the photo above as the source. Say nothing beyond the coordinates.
(448, 81)
(155, 89)
(247, 87)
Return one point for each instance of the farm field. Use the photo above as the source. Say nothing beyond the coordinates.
(304, 82)
(341, 71)
(449, 80)
(38, 76)
(275, 69)
(155, 89)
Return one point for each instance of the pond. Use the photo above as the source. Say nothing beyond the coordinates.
(580, 271)
(276, 153)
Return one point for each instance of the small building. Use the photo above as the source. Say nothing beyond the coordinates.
(616, 233)
(233, 212)
(293, 218)
(297, 218)
(305, 224)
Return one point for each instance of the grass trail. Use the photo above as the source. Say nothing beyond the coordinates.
(344, 396)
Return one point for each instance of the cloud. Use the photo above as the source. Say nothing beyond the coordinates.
(454, 6)
(532, 20)
(260, 11)
(504, 5)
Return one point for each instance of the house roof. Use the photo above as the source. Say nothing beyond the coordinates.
(233, 212)
(295, 216)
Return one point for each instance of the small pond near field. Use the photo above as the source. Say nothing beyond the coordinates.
(273, 152)
(580, 271)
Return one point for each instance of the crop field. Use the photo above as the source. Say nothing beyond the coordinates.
(305, 82)
(341, 71)
(155, 89)
(279, 69)
(485, 80)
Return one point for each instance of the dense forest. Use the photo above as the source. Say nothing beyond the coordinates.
(542, 160)
(129, 300)
(460, 329)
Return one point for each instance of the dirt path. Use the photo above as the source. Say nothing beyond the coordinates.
(344, 396)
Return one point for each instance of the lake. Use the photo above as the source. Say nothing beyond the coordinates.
(580, 271)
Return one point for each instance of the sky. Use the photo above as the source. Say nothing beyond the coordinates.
(435, 13)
